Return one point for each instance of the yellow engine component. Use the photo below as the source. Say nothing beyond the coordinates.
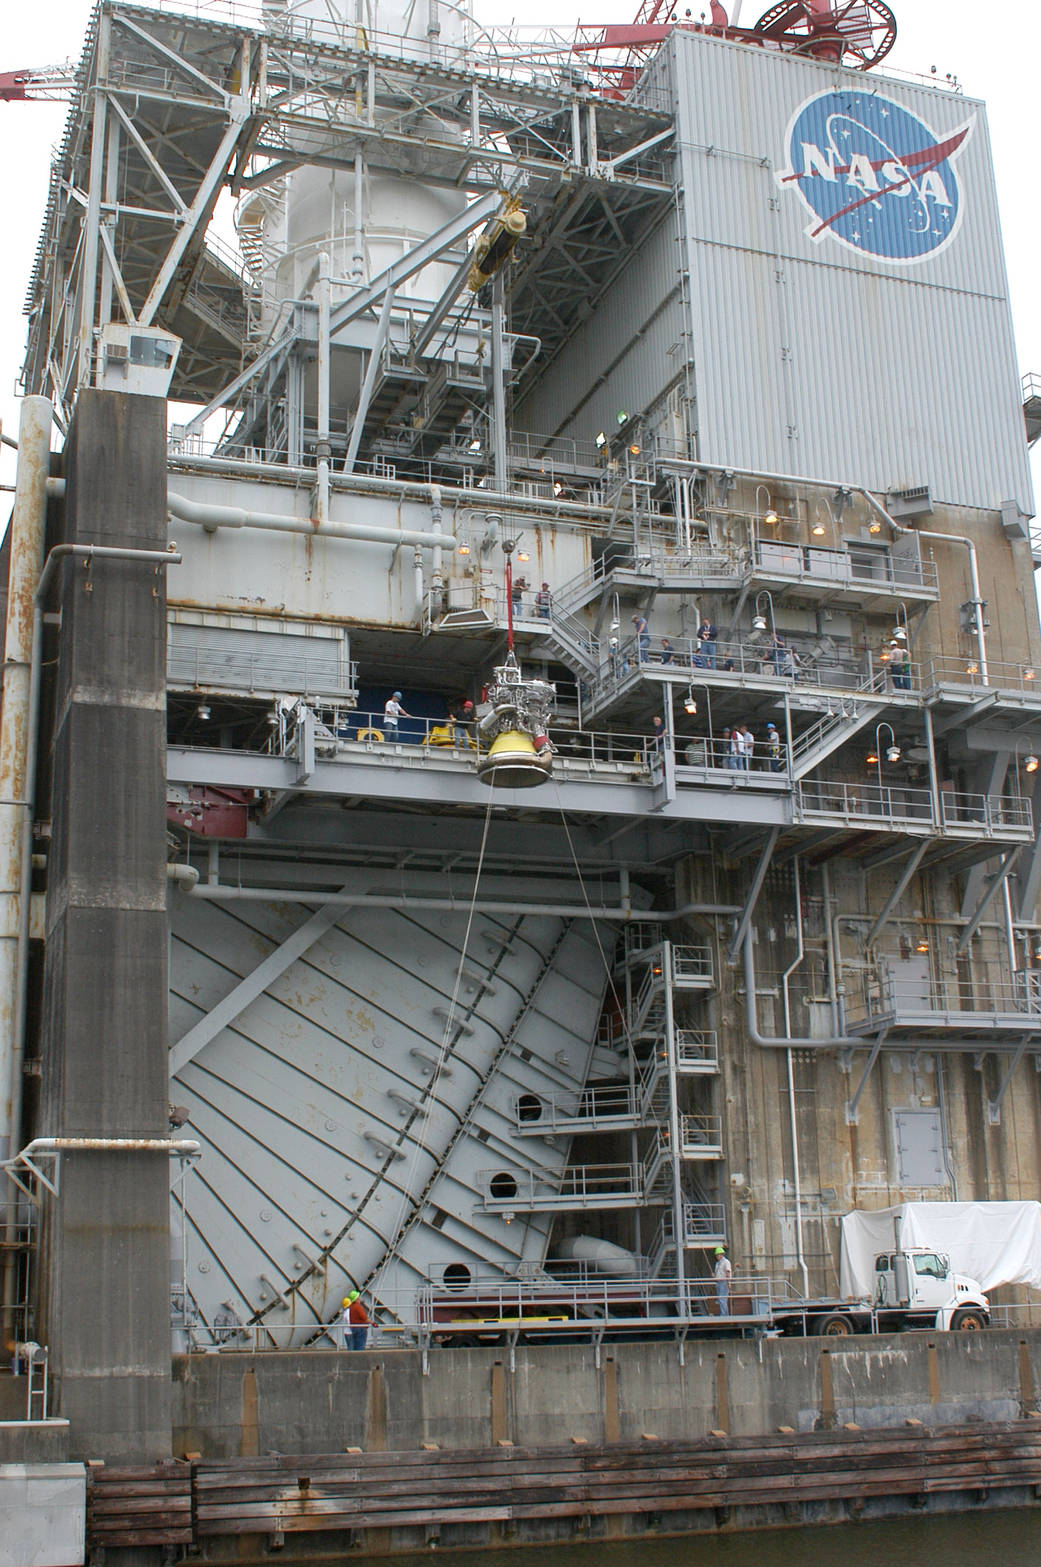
(512, 762)
(495, 246)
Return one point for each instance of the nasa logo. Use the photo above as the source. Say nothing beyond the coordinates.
(874, 176)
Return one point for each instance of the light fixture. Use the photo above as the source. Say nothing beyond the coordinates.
(884, 656)
(523, 555)
(272, 716)
(475, 444)
(892, 752)
(689, 704)
(872, 759)
(601, 440)
(1031, 763)
(1028, 674)
(818, 529)
(921, 945)
(557, 487)
(759, 623)
(874, 526)
(634, 451)
(769, 516)
(763, 603)
(202, 711)
(972, 669)
(622, 416)
(899, 634)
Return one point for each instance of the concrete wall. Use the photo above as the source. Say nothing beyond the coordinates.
(237, 1404)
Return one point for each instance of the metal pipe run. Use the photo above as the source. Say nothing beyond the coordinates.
(828, 1042)
(402, 900)
(687, 465)
(410, 489)
(179, 1147)
(213, 517)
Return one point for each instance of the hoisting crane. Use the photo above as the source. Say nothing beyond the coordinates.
(855, 33)
(42, 84)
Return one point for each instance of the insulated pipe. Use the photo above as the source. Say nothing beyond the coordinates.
(180, 1147)
(357, 272)
(420, 589)
(415, 489)
(213, 517)
(323, 450)
(829, 1042)
(26, 559)
(185, 876)
(437, 580)
(486, 906)
(974, 578)
(800, 1254)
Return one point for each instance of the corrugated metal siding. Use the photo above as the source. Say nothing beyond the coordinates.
(627, 342)
(810, 357)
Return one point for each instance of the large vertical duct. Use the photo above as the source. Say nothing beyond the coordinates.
(104, 1304)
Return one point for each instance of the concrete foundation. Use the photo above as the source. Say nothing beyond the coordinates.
(234, 1404)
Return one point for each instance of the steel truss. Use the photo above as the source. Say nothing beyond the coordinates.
(171, 111)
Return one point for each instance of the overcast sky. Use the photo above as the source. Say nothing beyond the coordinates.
(992, 50)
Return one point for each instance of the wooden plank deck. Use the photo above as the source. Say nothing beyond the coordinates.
(186, 1503)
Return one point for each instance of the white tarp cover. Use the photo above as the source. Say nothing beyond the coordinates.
(992, 1242)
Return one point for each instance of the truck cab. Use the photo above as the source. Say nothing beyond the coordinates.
(918, 1286)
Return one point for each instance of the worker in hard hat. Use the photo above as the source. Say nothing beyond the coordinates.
(392, 711)
(354, 1322)
(723, 1274)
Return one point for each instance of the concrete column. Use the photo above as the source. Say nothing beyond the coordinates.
(105, 1244)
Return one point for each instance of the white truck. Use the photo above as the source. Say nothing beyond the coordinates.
(913, 1288)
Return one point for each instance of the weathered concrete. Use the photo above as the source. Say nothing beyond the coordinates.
(229, 1404)
(34, 1441)
(104, 1305)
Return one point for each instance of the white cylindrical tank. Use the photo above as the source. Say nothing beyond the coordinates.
(363, 218)
(600, 1255)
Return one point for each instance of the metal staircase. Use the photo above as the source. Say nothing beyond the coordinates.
(846, 718)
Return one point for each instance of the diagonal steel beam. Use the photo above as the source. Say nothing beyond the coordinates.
(997, 882)
(372, 370)
(175, 60)
(198, 211)
(738, 939)
(416, 259)
(148, 155)
(994, 1105)
(898, 891)
(248, 989)
(853, 1104)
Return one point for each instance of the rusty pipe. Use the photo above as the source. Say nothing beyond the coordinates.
(27, 547)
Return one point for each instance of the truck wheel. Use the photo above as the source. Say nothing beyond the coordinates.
(968, 1320)
(834, 1325)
